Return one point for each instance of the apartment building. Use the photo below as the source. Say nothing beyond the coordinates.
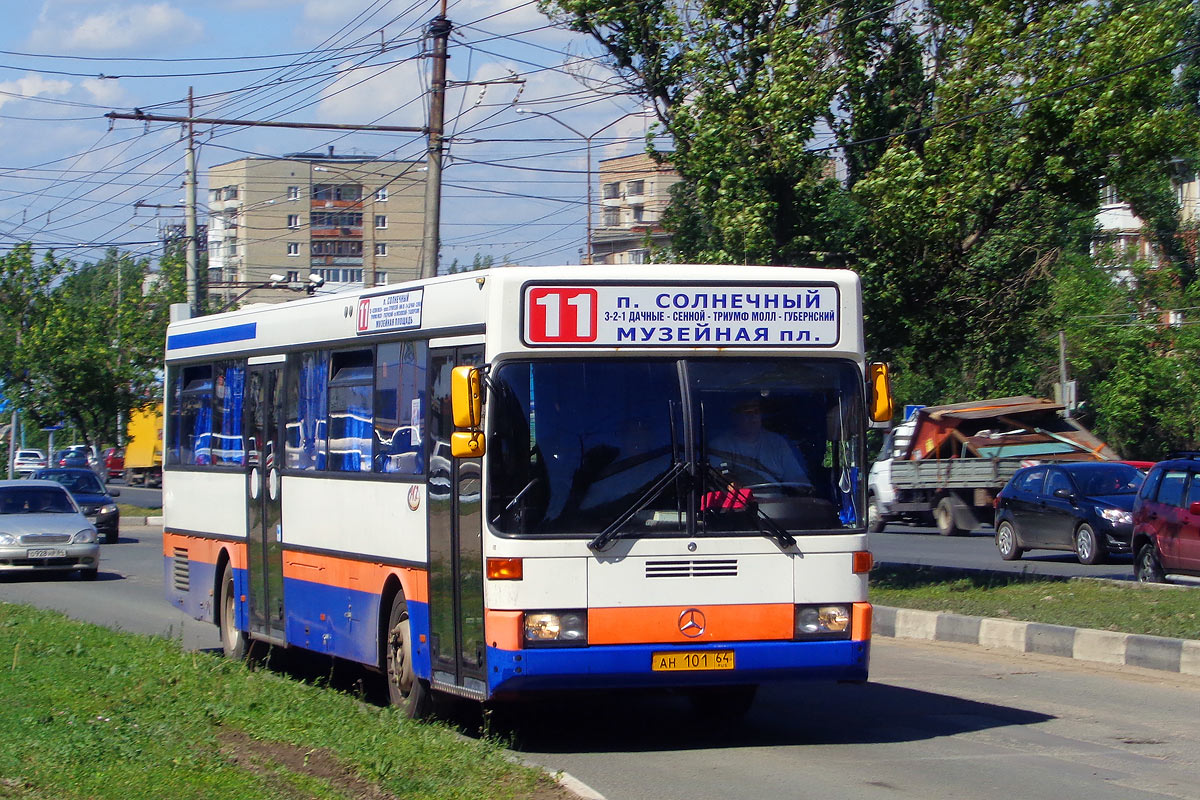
(1122, 230)
(355, 221)
(634, 193)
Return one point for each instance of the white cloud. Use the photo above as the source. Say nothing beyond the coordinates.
(116, 28)
(33, 86)
(366, 94)
(105, 92)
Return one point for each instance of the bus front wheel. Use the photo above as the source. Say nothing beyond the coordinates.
(405, 690)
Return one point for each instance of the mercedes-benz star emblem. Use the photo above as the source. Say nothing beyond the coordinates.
(691, 623)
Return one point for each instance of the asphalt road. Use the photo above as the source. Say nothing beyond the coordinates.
(912, 544)
(935, 721)
(137, 495)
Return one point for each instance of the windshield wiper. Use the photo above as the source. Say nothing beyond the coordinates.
(766, 524)
(613, 531)
(517, 497)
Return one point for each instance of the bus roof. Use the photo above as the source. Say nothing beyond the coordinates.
(661, 307)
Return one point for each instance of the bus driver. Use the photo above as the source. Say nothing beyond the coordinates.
(750, 454)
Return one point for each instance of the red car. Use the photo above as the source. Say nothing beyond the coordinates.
(1166, 520)
(114, 462)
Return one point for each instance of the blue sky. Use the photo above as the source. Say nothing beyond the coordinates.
(515, 184)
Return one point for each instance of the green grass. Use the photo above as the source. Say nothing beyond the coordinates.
(95, 713)
(1156, 610)
(137, 511)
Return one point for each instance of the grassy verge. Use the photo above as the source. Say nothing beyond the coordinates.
(138, 511)
(1080, 602)
(94, 713)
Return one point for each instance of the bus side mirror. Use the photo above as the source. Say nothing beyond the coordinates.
(879, 389)
(466, 400)
(466, 444)
(466, 392)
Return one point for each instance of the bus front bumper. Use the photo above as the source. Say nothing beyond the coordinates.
(633, 666)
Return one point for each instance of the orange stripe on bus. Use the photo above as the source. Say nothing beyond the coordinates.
(503, 629)
(362, 576)
(712, 624)
(860, 622)
(204, 550)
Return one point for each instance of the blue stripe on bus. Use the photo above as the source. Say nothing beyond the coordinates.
(601, 667)
(628, 666)
(230, 333)
(354, 637)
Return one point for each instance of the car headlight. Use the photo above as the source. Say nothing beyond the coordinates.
(108, 509)
(1117, 516)
(85, 536)
(555, 628)
(823, 622)
(7, 538)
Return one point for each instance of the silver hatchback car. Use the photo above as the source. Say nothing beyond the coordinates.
(42, 529)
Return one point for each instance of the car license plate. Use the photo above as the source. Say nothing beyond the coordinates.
(46, 552)
(691, 660)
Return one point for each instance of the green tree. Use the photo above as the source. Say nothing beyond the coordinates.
(84, 343)
(479, 262)
(976, 136)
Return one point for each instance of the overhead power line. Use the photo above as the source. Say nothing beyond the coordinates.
(329, 126)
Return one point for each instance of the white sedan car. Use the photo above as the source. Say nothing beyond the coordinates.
(42, 529)
(27, 461)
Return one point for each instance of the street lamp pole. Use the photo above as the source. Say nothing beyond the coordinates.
(588, 141)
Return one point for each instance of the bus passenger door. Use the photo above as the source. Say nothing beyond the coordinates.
(455, 540)
(264, 518)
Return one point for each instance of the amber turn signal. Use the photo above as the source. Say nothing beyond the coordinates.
(504, 569)
(863, 561)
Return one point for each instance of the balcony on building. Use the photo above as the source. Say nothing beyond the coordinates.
(337, 195)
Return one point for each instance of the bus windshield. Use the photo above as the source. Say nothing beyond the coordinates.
(657, 446)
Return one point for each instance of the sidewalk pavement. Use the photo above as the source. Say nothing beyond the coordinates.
(1085, 644)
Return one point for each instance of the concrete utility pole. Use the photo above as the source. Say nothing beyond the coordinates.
(439, 31)
(1062, 372)
(193, 249)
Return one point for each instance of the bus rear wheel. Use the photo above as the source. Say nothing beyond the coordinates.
(405, 690)
(234, 642)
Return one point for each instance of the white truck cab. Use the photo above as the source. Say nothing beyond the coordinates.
(880, 492)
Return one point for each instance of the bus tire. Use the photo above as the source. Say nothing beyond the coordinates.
(405, 690)
(234, 642)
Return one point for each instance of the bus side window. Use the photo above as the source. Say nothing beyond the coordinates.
(351, 427)
(195, 415)
(400, 369)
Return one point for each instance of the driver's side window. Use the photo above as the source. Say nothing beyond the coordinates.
(1058, 480)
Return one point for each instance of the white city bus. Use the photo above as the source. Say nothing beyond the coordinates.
(658, 482)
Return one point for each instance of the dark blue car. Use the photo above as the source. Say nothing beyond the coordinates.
(1084, 507)
(95, 501)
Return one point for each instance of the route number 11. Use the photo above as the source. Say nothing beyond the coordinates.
(560, 315)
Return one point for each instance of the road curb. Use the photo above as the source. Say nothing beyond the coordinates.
(1084, 644)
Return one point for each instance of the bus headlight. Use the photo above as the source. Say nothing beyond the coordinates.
(822, 622)
(555, 628)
